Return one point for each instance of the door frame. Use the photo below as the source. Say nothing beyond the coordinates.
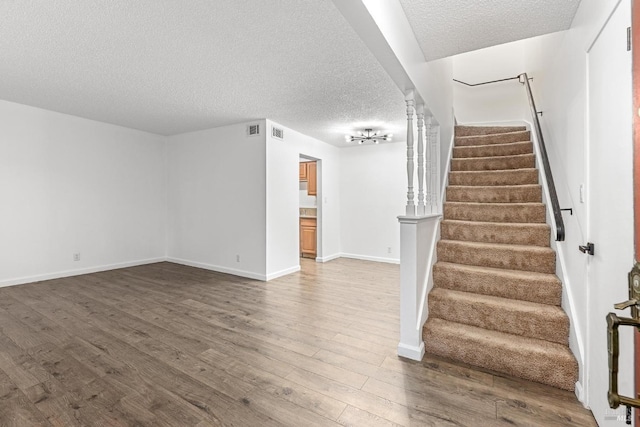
(319, 213)
(635, 52)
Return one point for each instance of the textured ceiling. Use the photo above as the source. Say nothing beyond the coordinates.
(172, 66)
(447, 27)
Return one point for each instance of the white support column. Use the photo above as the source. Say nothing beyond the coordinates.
(417, 246)
(429, 187)
(435, 168)
(411, 206)
(420, 121)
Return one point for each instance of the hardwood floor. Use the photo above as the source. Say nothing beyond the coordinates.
(165, 344)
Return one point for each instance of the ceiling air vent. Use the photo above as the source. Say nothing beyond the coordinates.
(253, 130)
(277, 132)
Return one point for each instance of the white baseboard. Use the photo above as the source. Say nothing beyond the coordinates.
(411, 352)
(284, 272)
(219, 269)
(328, 258)
(78, 272)
(579, 390)
(371, 258)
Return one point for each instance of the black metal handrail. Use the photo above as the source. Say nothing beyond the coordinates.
(486, 83)
(553, 195)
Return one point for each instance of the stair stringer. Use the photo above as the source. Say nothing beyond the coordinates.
(576, 340)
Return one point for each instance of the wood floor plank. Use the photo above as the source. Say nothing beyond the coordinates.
(165, 345)
(354, 417)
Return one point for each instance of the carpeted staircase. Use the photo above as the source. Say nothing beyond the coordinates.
(496, 299)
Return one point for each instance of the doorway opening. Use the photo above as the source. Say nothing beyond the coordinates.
(310, 211)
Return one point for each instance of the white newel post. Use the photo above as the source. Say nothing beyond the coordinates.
(411, 206)
(420, 121)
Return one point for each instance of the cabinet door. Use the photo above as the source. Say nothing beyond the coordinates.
(308, 237)
(308, 240)
(303, 171)
(311, 177)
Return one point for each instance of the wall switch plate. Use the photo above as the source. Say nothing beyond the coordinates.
(581, 193)
(237, 258)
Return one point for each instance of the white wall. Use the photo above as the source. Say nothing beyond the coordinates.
(503, 101)
(282, 208)
(372, 196)
(72, 185)
(217, 200)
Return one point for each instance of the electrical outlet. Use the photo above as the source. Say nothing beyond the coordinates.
(389, 250)
(76, 256)
(237, 258)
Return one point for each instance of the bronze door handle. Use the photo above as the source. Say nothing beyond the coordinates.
(613, 347)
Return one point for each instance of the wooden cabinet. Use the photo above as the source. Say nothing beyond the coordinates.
(308, 237)
(308, 173)
(311, 179)
(303, 171)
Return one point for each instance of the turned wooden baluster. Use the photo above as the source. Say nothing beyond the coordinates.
(420, 122)
(411, 206)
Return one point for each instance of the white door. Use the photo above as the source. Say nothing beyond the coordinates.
(609, 204)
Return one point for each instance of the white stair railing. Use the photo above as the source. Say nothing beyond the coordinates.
(418, 229)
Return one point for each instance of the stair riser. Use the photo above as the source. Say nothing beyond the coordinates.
(538, 290)
(506, 258)
(493, 150)
(493, 163)
(487, 130)
(496, 233)
(526, 324)
(511, 177)
(503, 138)
(514, 362)
(499, 213)
(513, 194)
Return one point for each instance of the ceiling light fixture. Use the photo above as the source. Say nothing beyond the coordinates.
(368, 136)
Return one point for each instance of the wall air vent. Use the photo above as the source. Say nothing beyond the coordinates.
(277, 132)
(253, 130)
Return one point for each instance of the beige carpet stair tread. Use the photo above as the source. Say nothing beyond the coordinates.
(493, 150)
(497, 255)
(486, 130)
(495, 193)
(496, 232)
(521, 176)
(532, 359)
(519, 161)
(523, 318)
(496, 212)
(542, 288)
(497, 138)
